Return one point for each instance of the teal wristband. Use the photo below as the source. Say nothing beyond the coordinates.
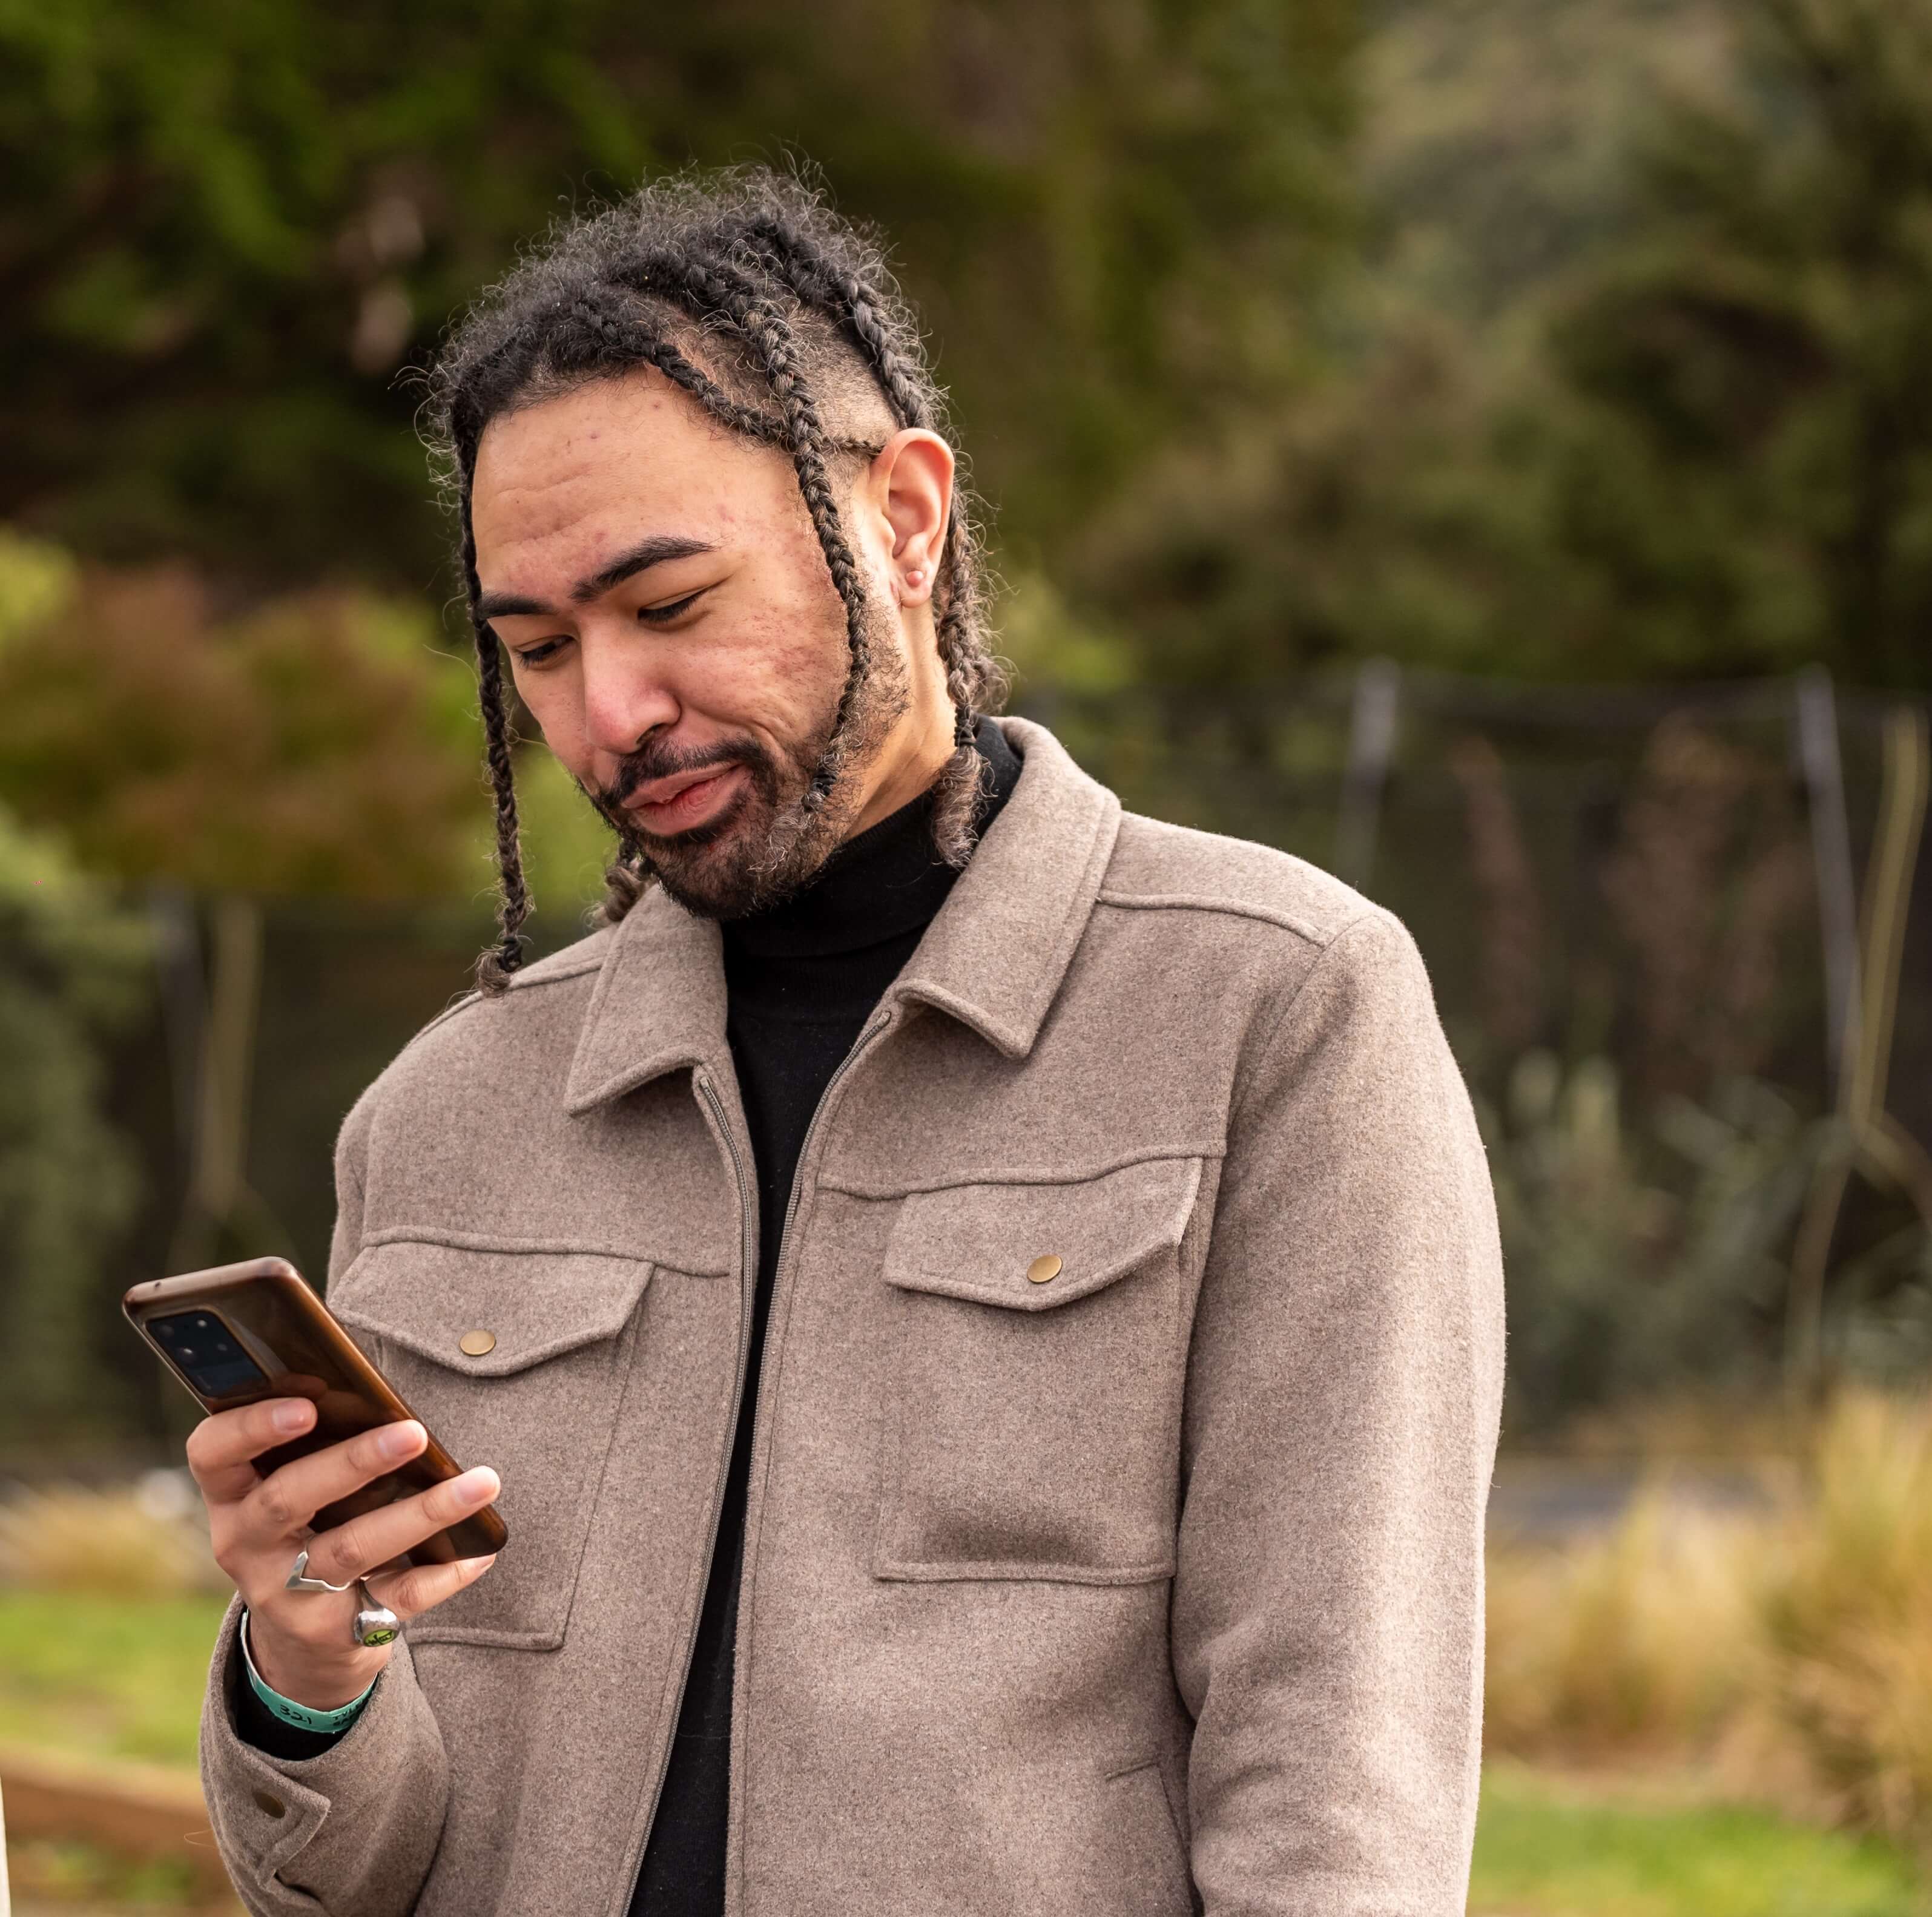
(327, 1722)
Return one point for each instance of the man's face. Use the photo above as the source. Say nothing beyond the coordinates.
(672, 627)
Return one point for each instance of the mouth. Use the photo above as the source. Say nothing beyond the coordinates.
(677, 803)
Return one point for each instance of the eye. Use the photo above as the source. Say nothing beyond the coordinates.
(535, 655)
(660, 615)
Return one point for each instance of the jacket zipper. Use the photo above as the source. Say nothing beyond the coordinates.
(845, 1064)
(748, 1255)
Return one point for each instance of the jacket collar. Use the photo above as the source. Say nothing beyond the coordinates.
(658, 1005)
(993, 958)
(996, 954)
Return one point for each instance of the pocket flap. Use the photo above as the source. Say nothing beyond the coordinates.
(980, 1241)
(533, 1302)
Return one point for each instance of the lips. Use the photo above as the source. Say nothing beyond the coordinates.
(682, 800)
(661, 792)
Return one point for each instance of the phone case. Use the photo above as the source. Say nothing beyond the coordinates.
(241, 1333)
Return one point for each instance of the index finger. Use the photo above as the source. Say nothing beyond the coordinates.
(222, 1448)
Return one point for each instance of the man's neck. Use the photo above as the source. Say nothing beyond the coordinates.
(911, 761)
(880, 885)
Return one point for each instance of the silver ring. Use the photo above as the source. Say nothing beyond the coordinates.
(375, 1624)
(297, 1579)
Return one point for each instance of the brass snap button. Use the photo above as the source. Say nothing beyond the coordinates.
(266, 1800)
(477, 1344)
(1044, 1270)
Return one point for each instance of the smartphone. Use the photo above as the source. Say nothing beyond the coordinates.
(244, 1332)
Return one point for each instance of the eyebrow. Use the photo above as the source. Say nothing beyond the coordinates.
(657, 550)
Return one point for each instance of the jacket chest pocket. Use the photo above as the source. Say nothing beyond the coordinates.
(1033, 1379)
(538, 1400)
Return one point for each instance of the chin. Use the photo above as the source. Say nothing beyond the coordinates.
(751, 859)
(715, 870)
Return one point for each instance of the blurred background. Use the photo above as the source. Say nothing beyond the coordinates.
(1483, 446)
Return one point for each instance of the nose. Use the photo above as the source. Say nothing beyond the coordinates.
(625, 697)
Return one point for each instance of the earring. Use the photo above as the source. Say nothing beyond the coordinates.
(915, 578)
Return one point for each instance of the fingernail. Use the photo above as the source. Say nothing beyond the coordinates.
(478, 1487)
(292, 1416)
(399, 1440)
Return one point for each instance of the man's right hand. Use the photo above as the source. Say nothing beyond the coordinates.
(300, 1639)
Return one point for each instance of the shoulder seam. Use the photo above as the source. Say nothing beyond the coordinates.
(1374, 914)
(1232, 907)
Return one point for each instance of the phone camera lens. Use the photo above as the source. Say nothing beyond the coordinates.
(207, 1353)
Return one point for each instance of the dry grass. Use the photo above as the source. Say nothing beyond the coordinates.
(142, 1542)
(1847, 1611)
(1634, 1638)
(1792, 1649)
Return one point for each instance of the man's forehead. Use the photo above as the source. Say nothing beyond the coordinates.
(624, 434)
(571, 486)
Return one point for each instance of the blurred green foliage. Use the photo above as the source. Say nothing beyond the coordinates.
(1642, 1254)
(1627, 382)
(1747, 479)
(225, 225)
(320, 743)
(68, 1182)
(1549, 338)
(1543, 339)
(312, 743)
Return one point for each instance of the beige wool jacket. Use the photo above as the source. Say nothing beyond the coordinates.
(1127, 1412)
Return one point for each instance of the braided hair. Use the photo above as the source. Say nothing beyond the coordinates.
(746, 291)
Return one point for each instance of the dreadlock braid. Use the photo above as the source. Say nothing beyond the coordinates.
(747, 293)
(495, 965)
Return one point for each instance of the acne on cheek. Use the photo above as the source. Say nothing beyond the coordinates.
(800, 658)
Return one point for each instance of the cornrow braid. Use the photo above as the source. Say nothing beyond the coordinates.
(865, 310)
(769, 333)
(751, 296)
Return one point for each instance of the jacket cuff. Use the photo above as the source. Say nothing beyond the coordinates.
(353, 1828)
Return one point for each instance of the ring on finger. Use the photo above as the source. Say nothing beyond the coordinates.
(298, 1579)
(374, 1624)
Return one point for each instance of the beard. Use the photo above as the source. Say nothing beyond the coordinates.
(772, 841)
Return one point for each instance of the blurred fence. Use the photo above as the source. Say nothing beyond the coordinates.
(1670, 877)
(1646, 913)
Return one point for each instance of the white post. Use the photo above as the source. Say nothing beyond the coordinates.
(1371, 724)
(1831, 857)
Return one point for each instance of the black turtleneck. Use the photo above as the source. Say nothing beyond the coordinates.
(801, 980)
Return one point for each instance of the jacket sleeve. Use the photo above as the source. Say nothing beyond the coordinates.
(1344, 1389)
(350, 1832)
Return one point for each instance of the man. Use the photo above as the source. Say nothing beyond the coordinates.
(986, 1310)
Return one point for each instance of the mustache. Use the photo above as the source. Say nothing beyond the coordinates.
(663, 760)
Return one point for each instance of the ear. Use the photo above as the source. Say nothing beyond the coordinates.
(910, 488)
